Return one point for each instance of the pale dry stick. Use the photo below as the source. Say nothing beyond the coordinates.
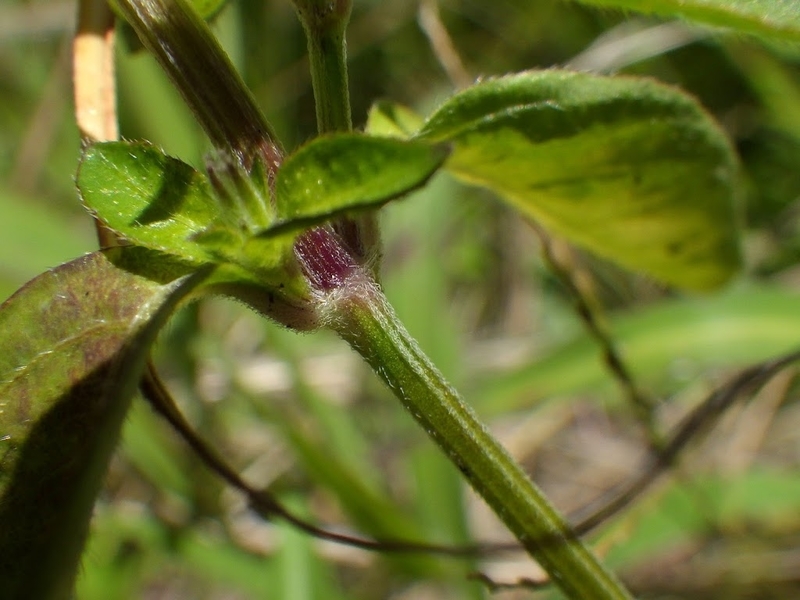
(95, 104)
(576, 280)
(442, 44)
(96, 98)
(93, 82)
(93, 72)
(96, 116)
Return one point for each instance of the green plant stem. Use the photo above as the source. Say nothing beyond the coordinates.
(202, 72)
(326, 53)
(367, 322)
(325, 23)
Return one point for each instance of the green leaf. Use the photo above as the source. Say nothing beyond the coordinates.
(774, 18)
(387, 119)
(149, 198)
(634, 170)
(73, 345)
(336, 174)
(161, 203)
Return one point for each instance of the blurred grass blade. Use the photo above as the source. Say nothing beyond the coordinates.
(130, 551)
(775, 84)
(328, 443)
(145, 445)
(368, 507)
(685, 336)
(442, 513)
(207, 9)
(301, 574)
(222, 562)
(75, 343)
(779, 19)
(631, 169)
(767, 499)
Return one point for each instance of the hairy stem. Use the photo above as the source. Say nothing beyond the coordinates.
(349, 300)
(205, 77)
(325, 23)
(365, 320)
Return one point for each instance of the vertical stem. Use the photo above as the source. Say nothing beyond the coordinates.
(93, 82)
(191, 57)
(328, 69)
(93, 71)
(366, 321)
(325, 23)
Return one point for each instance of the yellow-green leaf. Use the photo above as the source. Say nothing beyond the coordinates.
(632, 169)
(387, 119)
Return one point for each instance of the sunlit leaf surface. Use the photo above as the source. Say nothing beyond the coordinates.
(634, 170)
(149, 198)
(335, 174)
(392, 120)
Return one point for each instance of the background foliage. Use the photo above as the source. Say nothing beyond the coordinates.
(466, 276)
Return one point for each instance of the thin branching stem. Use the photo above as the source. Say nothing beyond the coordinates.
(586, 519)
(325, 23)
(696, 422)
(587, 309)
(206, 78)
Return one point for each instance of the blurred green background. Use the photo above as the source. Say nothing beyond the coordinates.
(302, 415)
